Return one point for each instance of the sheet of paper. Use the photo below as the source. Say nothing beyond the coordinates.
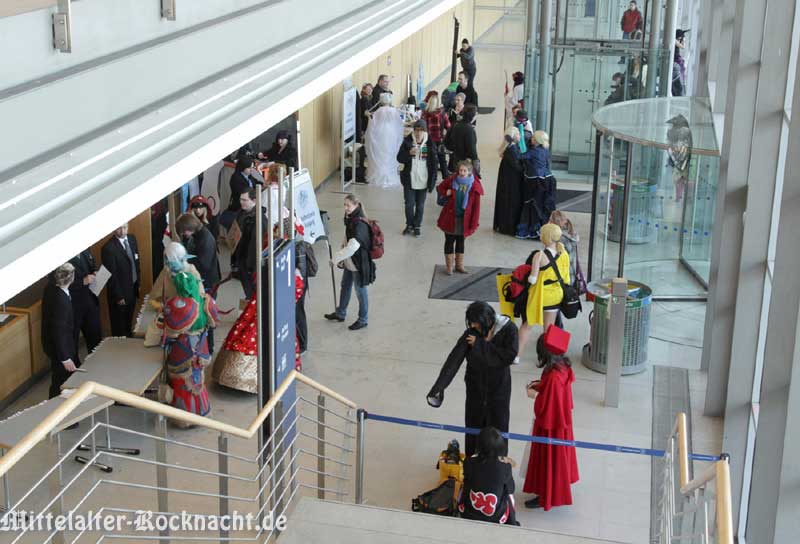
(100, 280)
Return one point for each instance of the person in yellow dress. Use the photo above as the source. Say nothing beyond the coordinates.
(545, 293)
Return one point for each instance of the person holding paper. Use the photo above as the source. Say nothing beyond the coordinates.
(85, 304)
(59, 334)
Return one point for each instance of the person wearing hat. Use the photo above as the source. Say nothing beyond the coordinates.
(176, 259)
(489, 344)
(551, 469)
(202, 209)
(417, 157)
(282, 151)
(467, 56)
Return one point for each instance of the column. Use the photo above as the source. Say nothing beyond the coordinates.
(768, 98)
(774, 497)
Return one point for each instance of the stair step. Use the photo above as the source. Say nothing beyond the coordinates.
(314, 520)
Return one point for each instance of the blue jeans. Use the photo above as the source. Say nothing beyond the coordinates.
(349, 280)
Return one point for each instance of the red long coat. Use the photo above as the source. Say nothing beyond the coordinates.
(552, 469)
(472, 214)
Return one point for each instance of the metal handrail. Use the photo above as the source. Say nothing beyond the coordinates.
(43, 429)
(718, 472)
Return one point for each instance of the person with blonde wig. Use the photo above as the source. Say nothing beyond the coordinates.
(545, 293)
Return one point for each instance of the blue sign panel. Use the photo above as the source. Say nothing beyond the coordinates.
(283, 341)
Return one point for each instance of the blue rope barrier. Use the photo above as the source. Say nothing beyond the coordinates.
(538, 439)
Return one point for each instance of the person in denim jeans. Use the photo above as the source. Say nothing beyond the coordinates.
(359, 268)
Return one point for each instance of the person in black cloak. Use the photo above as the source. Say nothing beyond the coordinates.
(489, 344)
(508, 196)
(282, 151)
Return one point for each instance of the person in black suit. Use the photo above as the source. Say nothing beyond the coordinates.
(85, 304)
(59, 334)
(241, 180)
(121, 256)
(244, 256)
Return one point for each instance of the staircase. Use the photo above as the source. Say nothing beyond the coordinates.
(335, 522)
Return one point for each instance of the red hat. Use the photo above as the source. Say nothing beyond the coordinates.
(201, 200)
(556, 340)
(180, 313)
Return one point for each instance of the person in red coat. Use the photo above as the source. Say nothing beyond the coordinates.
(551, 469)
(460, 198)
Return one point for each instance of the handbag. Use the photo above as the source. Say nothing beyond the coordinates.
(571, 301)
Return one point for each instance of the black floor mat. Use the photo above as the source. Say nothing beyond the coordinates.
(485, 110)
(574, 201)
(479, 284)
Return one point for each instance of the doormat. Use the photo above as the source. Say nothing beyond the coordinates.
(670, 396)
(574, 201)
(479, 284)
(485, 110)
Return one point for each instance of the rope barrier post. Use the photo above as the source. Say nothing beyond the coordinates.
(161, 472)
(321, 446)
(360, 418)
(222, 459)
(616, 339)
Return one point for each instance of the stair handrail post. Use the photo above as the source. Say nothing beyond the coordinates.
(360, 423)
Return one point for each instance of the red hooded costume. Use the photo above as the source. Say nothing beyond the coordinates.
(552, 469)
(472, 213)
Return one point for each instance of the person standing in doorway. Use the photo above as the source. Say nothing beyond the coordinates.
(120, 256)
(418, 157)
(84, 302)
(358, 266)
(59, 335)
(467, 56)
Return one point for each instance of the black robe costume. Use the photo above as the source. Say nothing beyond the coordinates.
(488, 378)
(488, 491)
(508, 195)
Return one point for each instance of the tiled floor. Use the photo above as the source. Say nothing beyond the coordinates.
(389, 367)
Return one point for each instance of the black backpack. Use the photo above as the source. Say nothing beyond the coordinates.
(304, 255)
(438, 500)
(571, 302)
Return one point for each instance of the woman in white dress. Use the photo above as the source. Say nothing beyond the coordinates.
(382, 141)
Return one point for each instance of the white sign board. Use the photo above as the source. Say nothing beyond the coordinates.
(306, 208)
(348, 113)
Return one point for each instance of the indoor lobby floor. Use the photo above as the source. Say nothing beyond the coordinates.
(389, 367)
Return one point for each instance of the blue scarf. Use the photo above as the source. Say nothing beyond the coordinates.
(467, 182)
(521, 128)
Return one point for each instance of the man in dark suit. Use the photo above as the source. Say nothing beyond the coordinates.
(121, 257)
(85, 304)
(244, 256)
(59, 335)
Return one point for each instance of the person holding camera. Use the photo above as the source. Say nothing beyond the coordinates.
(489, 344)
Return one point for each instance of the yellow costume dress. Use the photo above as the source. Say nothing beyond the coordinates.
(546, 293)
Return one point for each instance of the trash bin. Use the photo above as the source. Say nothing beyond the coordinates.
(637, 327)
(641, 229)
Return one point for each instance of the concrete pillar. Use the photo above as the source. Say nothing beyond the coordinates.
(668, 46)
(774, 497)
(531, 30)
(760, 88)
(545, 15)
(704, 38)
(655, 33)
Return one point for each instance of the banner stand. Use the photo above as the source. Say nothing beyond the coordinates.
(349, 145)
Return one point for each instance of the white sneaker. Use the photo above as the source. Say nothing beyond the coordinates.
(516, 361)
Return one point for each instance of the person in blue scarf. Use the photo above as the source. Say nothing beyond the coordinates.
(460, 198)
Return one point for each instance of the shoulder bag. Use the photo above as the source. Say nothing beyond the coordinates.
(571, 301)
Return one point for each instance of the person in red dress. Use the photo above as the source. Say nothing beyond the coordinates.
(551, 469)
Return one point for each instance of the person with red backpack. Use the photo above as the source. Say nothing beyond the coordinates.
(460, 198)
(356, 258)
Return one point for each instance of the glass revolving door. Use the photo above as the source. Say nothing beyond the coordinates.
(655, 184)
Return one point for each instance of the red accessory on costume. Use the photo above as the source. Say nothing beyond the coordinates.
(180, 313)
(556, 340)
(200, 199)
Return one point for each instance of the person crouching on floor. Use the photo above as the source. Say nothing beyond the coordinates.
(460, 198)
(489, 344)
(488, 490)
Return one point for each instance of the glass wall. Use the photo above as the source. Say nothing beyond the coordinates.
(655, 192)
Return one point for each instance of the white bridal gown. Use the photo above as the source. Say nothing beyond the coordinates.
(382, 141)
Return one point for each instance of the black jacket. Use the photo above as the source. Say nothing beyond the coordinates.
(239, 183)
(120, 285)
(245, 253)
(376, 95)
(363, 104)
(405, 158)
(467, 59)
(204, 248)
(471, 95)
(85, 265)
(288, 156)
(463, 141)
(59, 337)
(488, 484)
(488, 363)
(357, 227)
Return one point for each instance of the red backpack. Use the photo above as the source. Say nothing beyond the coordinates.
(376, 238)
(517, 286)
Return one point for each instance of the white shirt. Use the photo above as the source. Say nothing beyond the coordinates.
(66, 291)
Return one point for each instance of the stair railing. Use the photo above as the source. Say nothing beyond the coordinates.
(696, 510)
(194, 487)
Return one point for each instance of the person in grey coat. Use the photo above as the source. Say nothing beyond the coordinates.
(467, 56)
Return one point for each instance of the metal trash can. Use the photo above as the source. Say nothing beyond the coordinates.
(643, 199)
(637, 327)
